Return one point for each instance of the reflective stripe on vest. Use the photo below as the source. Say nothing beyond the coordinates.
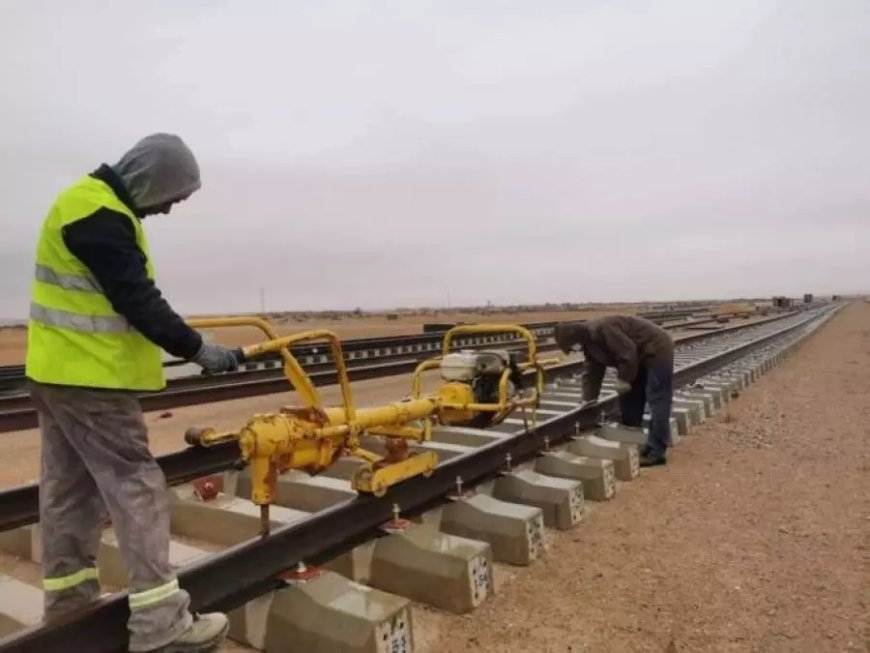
(66, 281)
(78, 322)
(75, 337)
(61, 583)
(139, 600)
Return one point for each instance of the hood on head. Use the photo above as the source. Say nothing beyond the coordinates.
(570, 334)
(159, 169)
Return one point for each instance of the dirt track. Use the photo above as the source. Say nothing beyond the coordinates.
(755, 538)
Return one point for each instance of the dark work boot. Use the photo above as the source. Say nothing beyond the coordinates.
(650, 459)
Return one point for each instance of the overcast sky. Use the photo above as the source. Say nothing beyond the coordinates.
(378, 154)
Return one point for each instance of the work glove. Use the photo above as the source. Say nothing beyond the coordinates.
(622, 386)
(214, 358)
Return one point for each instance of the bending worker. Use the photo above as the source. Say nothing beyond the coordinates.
(97, 327)
(643, 355)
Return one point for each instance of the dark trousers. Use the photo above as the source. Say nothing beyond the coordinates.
(653, 385)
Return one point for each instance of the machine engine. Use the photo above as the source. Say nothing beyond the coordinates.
(473, 378)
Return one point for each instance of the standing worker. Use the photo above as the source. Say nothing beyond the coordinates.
(97, 327)
(643, 355)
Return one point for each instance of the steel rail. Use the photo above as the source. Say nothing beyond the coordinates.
(230, 578)
(19, 506)
(17, 413)
(403, 346)
(15, 374)
(352, 344)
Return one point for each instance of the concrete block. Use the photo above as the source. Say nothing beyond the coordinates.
(515, 532)
(19, 542)
(620, 433)
(598, 476)
(355, 564)
(683, 419)
(300, 491)
(574, 394)
(325, 614)
(625, 457)
(733, 379)
(673, 428)
(20, 605)
(548, 412)
(447, 572)
(560, 403)
(697, 411)
(225, 519)
(732, 384)
(509, 426)
(443, 450)
(716, 394)
(706, 398)
(723, 387)
(560, 499)
(111, 565)
(466, 437)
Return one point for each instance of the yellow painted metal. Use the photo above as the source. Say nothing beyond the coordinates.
(483, 329)
(296, 376)
(283, 345)
(454, 411)
(377, 480)
(425, 366)
(311, 438)
(455, 399)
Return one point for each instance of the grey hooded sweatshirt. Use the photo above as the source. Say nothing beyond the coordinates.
(158, 170)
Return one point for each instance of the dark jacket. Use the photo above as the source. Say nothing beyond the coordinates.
(622, 341)
(106, 243)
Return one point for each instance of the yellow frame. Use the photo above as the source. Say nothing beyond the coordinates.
(503, 406)
(296, 376)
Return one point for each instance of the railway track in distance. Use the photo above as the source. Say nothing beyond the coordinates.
(708, 368)
(366, 358)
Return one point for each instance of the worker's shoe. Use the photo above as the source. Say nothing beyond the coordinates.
(205, 634)
(650, 459)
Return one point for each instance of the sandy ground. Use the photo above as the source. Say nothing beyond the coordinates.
(13, 341)
(755, 538)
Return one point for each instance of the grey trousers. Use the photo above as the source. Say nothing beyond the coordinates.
(95, 458)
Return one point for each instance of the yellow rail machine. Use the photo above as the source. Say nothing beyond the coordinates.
(479, 388)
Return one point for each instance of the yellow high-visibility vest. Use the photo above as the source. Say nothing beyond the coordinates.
(75, 337)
